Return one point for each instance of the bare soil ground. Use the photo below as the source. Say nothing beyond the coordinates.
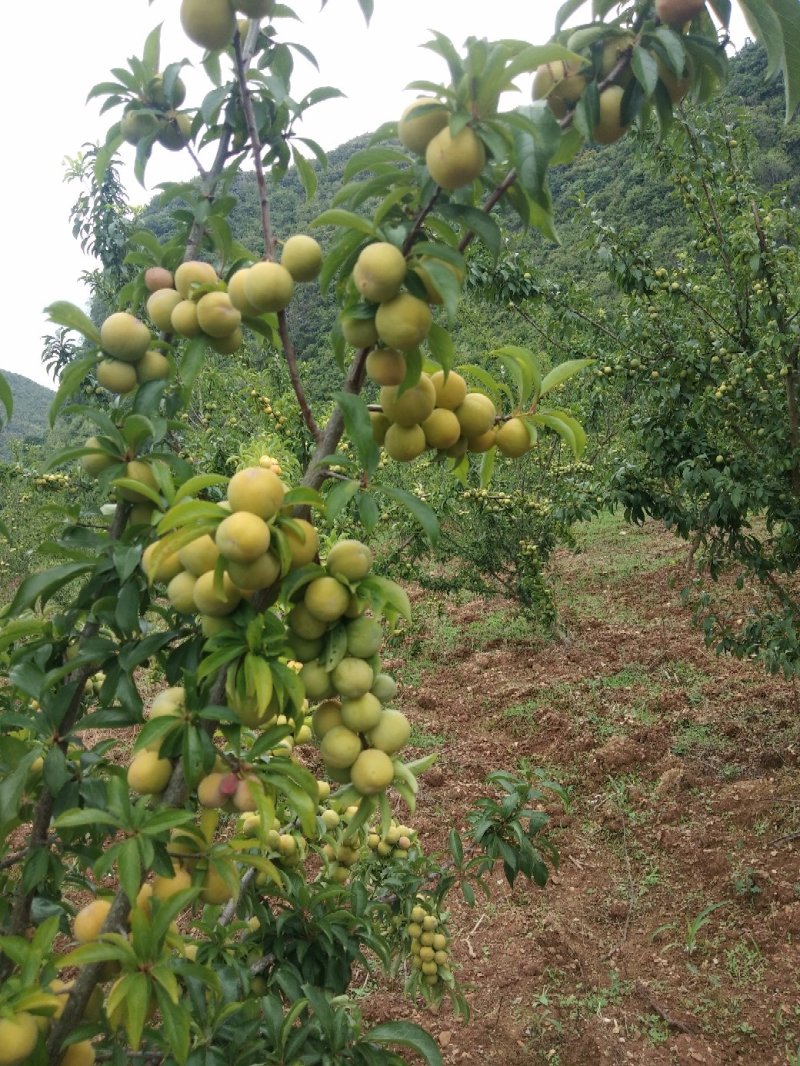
(670, 934)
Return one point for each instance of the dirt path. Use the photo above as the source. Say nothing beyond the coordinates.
(671, 932)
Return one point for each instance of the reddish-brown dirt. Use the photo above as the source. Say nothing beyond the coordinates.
(670, 934)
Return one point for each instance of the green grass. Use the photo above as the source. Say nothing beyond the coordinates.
(426, 741)
(694, 738)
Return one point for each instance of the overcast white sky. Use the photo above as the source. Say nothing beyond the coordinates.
(50, 63)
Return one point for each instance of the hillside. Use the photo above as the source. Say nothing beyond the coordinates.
(31, 404)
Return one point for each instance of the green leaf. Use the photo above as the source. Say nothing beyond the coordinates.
(152, 50)
(788, 13)
(367, 510)
(409, 1035)
(138, 487)
(129, 864)
(387, 593)
(63, 313)
(764, 23)
(565, 425)
(191, 365)
(347, 219)
(338, 497)
(440, 344)
(70, 379)
(522, 365)
(308, 175)
(191, 512)
(40, 587)
(645, 69)
(198, 483)
(476, 221)
(562, 373)
(487, 467)
(359, 429)
(86, 816)
(416, 508)
(370, 158)
(6, 399)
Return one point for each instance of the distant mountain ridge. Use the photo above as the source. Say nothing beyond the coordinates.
(31, 405)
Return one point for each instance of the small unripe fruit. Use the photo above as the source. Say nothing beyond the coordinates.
(420, 122)
(90, 920)
(260, 574)
(153, 366)
(256, 490)
(143, 473)
(124, 337)
(609, 128)
(305, 624)
(217, 315)
(326, 716)
(209, 600)
(340, 747)
(349, 559)
(304, 547)
(385, 688)
(242, 537)
(352, 677)
(228, 345)
(160, 306)
(149, 774)
(412, 407)
(209, 23)
(138, 123)
(403, 322)
(326, 598)
(380, 424)
(94, 465)
(386, 366)
(455, 161)
(364, 638)
(194, 273)
(391, 733)
(372, 772)
(450, 390)
(183, 319)
(200, 555)
(268, 287)
(316, 681)
(116, 376)
(441, 428)
(238, 296)
(302, 257)
(513, 438)
(156, 93)
(379, 271)
(359, 332)
(176, 131)
(361, 714)
(156, 278)
(404, 443)
(476, 414)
